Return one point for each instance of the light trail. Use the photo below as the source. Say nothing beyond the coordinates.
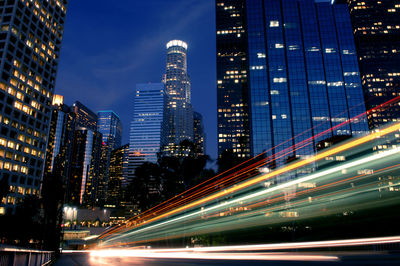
(188, 197)
(243, 252)
(293, 166)
(175, 201)
(245, 198)
(121, 254)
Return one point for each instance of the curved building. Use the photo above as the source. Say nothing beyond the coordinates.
(177, 84)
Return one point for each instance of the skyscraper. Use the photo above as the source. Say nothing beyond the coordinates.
(199, 134)
(110, 126)
(148, 128)
(177, 84)
(85, 168)
(232, 87)
(287, 70)
(30, 42)
(376, 28)
(85, 164)
(117, 175)
(61, 137)
(84, 116)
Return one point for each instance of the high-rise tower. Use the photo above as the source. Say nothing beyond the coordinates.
(30, 41)
(376, 28)
(177, 85)
(110, 126)
(199, 134)
(148, 127)
(287, 71)
(60, 141)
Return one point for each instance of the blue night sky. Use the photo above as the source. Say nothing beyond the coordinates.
(110, 46)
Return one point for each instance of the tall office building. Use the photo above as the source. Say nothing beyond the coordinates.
(84, 116)
(148, 128)
(376, 28)
(199, 134)
(177, 85)
(85, 163)
(30, 42)
(110, 126)
(117, 175)
(287, 71)
(85, 168)
(60, 140)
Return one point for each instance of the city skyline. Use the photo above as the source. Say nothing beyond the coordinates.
(101, 63)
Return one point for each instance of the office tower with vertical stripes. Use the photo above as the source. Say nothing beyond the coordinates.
(286, 71)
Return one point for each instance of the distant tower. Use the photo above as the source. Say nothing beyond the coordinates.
(148, 127)
(199, 135)
(110, 126)
(60, 140)
(117, 175)
(177, 84)
(85, 163)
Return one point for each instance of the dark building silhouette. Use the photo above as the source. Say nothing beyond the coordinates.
(117, 175)
(85, 163)
(376, 28)
(60, 141)
(199, 134)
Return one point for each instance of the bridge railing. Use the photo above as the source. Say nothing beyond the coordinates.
(28, 257)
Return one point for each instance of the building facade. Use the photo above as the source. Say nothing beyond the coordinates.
(84, 116)
(60, 141)
(287, 72)
(110, 126)
(117, 177)
(199, 134)
(85, 168)
(30, 42)
(177, 85)
(86, 159)
(376, 28)
(148, 132)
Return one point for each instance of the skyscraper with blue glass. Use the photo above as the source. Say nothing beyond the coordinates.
(287, 71)
(110, 126)
(148, 132)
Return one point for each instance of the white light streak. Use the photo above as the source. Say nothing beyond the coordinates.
(265, 191)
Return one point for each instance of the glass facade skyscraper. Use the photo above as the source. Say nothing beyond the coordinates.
(294, 64)
(84, 116)
(60, 141)
(110, 126)
(148, 128)
(177, 85)
(30, 42)
(85, 163)
(376, 27)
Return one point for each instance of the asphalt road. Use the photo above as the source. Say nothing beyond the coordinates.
(343, 259)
